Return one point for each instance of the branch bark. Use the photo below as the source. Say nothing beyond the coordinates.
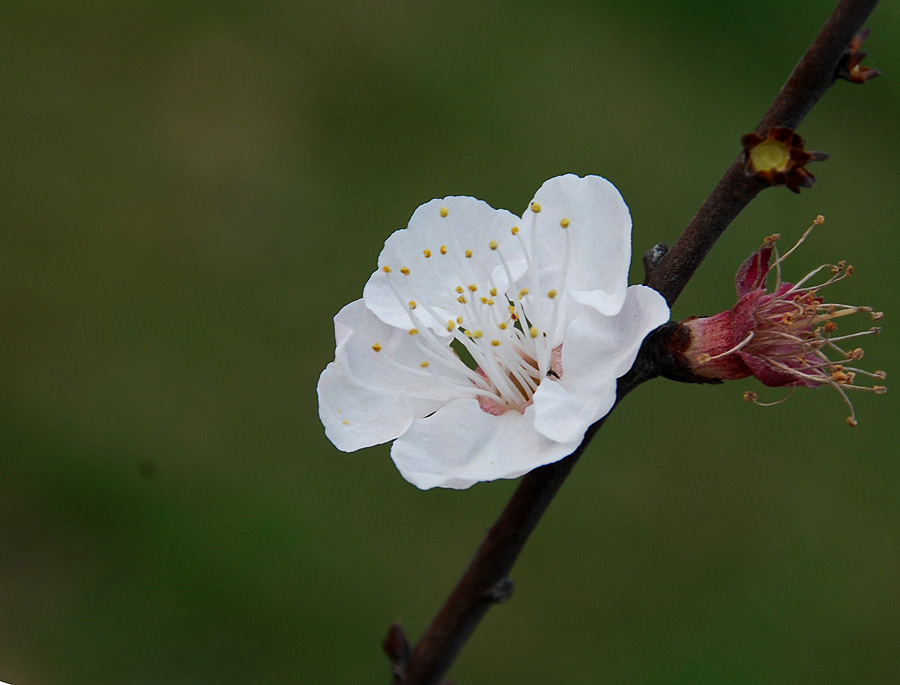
(485, 581)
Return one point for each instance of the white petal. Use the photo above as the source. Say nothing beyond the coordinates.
(601, 347)
(564, 416)
(397, 365)
(368, 397)
(460, 445)
(594, 250)
(354, 415)
(432, 281)
(597, 350)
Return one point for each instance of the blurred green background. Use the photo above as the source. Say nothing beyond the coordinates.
(189, 191)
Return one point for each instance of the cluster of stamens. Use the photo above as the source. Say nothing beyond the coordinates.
(795, 333)
(497, 348)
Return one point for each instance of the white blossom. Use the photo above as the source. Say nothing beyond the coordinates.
(486, 344)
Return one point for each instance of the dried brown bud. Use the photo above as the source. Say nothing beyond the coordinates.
(396, 646)
(850, 67)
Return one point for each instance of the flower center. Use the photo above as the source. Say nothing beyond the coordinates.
(483, 316)
(496, 404)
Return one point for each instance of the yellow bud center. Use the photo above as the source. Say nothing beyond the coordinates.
(770, 155)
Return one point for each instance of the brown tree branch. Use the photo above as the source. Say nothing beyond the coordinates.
(485, 581)
(812, 76)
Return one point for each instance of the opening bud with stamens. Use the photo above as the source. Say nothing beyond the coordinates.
(784, 336)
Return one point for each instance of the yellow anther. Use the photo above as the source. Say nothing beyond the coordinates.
(460, 289)
(493, 292)
(523, 292)
(346, 422)
(514, 230)
(502, 326)
(533, 331)
(444, 211)
(461, 299)
(376, 347)
(467, 333)
(564, 222)
(423, 364)
(413, 331)
(468, 253)
(819, 220)
(404, 271)
(493, 244)
(477, 334)
(484, 300)
(427, 253)
(535, 207)
(386, 269)
(551, 294)
(473, 287)
(495, 343)
(450, 326)
(443, 249)
(412, 304)
(459, 319)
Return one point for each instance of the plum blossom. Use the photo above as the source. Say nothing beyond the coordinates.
(783, 337)
(486, 344)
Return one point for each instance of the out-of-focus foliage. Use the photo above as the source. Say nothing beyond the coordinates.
(190, 190)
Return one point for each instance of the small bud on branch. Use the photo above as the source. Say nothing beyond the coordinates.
(779, 159)
(850, 67)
